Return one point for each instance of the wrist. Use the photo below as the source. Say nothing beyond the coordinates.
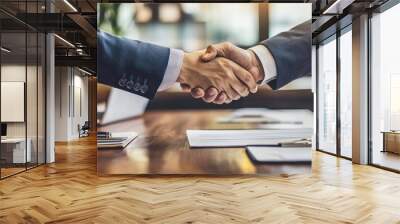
(257, 67)
(184, 67)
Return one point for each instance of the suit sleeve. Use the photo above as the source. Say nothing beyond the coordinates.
(131, 65)
(291, 51)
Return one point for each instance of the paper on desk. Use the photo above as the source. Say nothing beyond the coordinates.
(118, 140)
(271, 119)
(241, 138)
(279, 154)
(273, 114)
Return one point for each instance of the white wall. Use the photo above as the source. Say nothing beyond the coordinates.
(61, 104)
(81, 83)
(33, 126)
(71, 95)
(16, 73)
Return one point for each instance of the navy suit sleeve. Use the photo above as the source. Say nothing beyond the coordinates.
(292, 54)
(131, 65)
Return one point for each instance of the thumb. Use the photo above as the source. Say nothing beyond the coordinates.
(210, 54)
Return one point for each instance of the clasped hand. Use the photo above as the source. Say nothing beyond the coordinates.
(221, 73)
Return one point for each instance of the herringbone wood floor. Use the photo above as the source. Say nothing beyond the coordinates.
(69, 191)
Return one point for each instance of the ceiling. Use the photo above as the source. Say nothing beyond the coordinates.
(74, 22)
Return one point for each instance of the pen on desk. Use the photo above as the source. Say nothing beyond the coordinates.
(298, 143)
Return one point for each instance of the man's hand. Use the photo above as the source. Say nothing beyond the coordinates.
(245, 58)
(222, 74)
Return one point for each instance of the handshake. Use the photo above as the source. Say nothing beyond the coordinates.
(221, 73)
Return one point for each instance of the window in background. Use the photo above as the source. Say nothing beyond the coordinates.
(394, 101)
(193, 26)
(327, 96)
(385, 87)
(283, 17)
(240, 28)
(279, 20)
(187, 26)
(346, 94)
(190, 26)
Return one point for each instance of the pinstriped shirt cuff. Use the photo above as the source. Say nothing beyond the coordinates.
(267, 62)
(173, 68)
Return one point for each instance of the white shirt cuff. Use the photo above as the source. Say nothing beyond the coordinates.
(173, 68)
(267, 62)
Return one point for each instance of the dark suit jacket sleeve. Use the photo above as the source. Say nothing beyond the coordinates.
(131, 65)
(292, 54)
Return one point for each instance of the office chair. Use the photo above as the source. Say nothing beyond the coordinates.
(84, 130)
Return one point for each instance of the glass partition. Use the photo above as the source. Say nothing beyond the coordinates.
(41, 97)
(22, 92)
(327, 96)
(15, 150)
(346, 93)
(385, 89)
(31, 97)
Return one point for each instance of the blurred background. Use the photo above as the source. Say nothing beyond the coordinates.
(193, 26)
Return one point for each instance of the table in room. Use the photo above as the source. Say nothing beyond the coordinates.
(162, 148)
(13, 150)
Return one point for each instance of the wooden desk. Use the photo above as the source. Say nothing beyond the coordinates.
(391, 141)
(162, 148)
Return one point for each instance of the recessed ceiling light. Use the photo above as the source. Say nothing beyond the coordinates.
(70, 5)
(84, 71)
(5, 50)
(337, 7)
(65, 41)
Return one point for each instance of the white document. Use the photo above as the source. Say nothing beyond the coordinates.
(279, 154)
(117, 140)
(122, 105)
(241, 138)
(294, 115)
(271, 119)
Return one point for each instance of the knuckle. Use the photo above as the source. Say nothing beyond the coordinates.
(230, 94)
(223, 63)
(247, 78)
(225, 77)
(219, 83)
(244, 91)
(219, 79)
(218, 101)
(220, 62)
(206, 99)
(235, 95)
(243, 88)
(228, 44)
